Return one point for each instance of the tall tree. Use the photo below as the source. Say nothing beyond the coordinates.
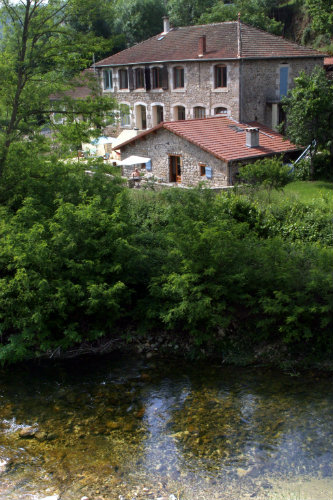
(187, 12)
(40, 52)
(139, 19)
(309, 109)
(254, 12)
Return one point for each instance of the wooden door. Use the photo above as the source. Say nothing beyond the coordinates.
(175, 172)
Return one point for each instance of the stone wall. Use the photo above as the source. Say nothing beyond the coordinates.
(260, 82)
(159, 146)
(198, 91)
(261, 85)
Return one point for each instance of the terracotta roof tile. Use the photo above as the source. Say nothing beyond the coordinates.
(181, 44)
(224, 138)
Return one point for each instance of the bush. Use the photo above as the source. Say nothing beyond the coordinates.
(301, 170)
(269, 173)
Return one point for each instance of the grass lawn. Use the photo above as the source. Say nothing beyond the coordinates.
(304, 191)
(308, 191)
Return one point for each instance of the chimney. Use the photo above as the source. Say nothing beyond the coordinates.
(166, 24)
(252, 137)
(202, 46)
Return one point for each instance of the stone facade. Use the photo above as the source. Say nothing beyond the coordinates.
(252, 91)
(260, 87)
(160, 146)
(198, 90)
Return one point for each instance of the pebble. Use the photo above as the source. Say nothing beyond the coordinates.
(27, 432)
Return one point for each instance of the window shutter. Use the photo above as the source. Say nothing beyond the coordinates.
(148, 166)
(209, 172)
(130, 79)
(165, 79)
(147, 78)
(283, 81)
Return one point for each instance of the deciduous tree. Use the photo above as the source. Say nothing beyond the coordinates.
(40, 53)
(309, 109)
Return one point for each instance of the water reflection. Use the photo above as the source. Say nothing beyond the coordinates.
(124, 427)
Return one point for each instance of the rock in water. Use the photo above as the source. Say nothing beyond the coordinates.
(28, 432)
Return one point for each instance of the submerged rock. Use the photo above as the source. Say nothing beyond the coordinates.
(28, 432)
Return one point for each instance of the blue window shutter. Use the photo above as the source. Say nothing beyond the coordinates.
(283, 81)
(148, 166)
(209, 172)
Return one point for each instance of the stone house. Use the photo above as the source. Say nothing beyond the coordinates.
(225, 68)
(211, 150)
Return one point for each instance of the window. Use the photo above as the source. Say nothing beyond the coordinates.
(220, 76)
(156, 76)
(124, 115)
(202, 169)
(123, 79)
(179, 113)
(199, 112)
(139, 78)
(220, 111)
(157, 114)
(107, 79)
(178, 77)
(140, 116)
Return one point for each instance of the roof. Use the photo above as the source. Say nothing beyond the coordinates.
(223, 137)
(181, 44)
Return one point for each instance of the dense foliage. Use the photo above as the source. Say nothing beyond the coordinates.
(82, 257)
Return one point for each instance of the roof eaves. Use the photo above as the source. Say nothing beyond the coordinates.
(168, 61)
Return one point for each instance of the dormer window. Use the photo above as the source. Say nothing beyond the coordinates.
(123, 79)
(178, 77)
(139, 78)
(156, 77)
(220, 76)
(107, 79)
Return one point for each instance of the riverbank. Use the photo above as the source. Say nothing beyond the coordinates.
(182, 347)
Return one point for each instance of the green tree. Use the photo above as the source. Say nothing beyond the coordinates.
(309, 108)
(257, 13)
(321, 14)
(187, 12)
(139, 19)
(269, 173)
(40, 53)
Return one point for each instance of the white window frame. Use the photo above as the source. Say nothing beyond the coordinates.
(139, 89)
(172, 86)
(125, 89)
(153, 111)
(109, 72)
(126, 125)
(212, 77)
(199, 105)
(173, 112)
(155, 89)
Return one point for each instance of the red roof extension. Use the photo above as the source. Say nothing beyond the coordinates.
(223, 137)
(181, 44)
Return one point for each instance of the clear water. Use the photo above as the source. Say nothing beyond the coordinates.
(123, 428)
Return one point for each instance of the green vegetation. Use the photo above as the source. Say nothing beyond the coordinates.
(269, 173)
(83, 257)
(309, 107)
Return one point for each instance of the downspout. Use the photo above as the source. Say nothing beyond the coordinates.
(239, 56)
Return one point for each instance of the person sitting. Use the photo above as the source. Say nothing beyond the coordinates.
(136, 174)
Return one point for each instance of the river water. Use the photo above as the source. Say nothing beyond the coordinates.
(119, 428)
